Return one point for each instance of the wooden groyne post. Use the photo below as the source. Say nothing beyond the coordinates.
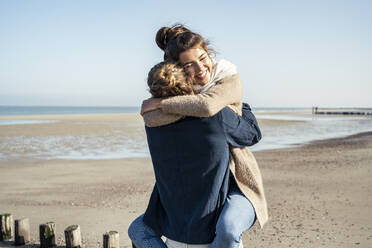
(73, 236)
(6, 224)
(22, 232)
(111, 240)
(314, 110)
(47, 235)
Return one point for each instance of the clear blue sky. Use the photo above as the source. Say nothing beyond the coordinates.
(83, 52)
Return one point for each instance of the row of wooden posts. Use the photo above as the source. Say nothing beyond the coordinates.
(341, 111)
(47, 233)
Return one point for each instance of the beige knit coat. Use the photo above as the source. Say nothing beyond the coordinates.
(243, 165)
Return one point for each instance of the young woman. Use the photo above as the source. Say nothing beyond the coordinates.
(218, 85)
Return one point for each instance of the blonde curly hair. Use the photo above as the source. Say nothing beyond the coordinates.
(168, 79)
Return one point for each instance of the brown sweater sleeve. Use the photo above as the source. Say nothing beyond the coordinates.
(158, 118)
(227, 91)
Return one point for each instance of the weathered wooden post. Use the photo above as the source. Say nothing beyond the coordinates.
(6, 223)
(47, 235)
(73, 236)
(111, 240)
(22, 231)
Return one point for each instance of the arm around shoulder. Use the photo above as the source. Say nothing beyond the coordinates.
(158, 118)
(240, 130)
(226, 91)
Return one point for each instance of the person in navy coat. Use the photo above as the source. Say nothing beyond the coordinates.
(191, 165)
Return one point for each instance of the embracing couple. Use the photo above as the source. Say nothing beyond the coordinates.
(208, 188)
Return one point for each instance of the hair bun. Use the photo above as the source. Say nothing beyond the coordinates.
(168, 79)
(161, 38)
(165, 34)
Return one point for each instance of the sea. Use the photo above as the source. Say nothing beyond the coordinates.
(280, 127)
(60, 110)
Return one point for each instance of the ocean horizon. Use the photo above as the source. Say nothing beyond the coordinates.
(65, 110)
(61, 110)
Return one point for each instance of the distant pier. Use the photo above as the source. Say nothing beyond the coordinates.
(341, 111)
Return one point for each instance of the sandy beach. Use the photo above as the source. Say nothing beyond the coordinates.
(319, 194)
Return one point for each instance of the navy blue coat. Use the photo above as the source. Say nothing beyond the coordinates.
(191, 165)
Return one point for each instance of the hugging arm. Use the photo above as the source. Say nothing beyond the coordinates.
(240, 130)
(227, 91)
(158, 118)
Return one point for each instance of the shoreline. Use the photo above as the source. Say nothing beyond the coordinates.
(360, 135)
(107, 136)
(318, 195)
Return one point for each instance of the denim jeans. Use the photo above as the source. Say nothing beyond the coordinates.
(237, 216)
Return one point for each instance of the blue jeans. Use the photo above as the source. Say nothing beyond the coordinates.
(237, 216)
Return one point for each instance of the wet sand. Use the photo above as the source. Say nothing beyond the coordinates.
(88, 136)
(319, 195)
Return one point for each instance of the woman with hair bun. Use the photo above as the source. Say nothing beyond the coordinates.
(214, 86)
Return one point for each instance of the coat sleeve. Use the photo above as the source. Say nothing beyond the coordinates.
(242, 130)
(227, 91)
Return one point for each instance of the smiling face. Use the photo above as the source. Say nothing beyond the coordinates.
(197, 64)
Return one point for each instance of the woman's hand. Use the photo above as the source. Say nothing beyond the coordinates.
(150, 104)
(234, 108)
